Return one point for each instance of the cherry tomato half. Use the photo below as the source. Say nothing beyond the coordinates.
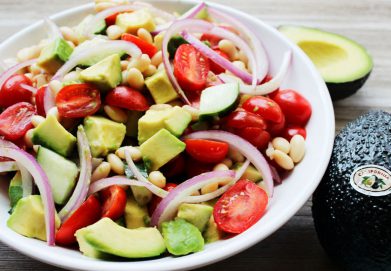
(190, 68)
(12, 91)
(110, 20)
(78, 100)
(207, 151)
(15, 121)
(256, 136)
(114, 202)
(125, 97)
(242, 119)
(145, 47)
(266, 108)
(296, 108)
(87, 214)
(240, 207)
(156, 200)
(215, 68)
(39, 101)
(292, 130)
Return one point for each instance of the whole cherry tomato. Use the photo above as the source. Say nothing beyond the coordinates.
(13, 92)
(266, 108)
(15, 121)
(127, 98)
(256, 136)
(292, 130)
(296, 108)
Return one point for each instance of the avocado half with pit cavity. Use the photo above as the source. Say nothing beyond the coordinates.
(344, 64)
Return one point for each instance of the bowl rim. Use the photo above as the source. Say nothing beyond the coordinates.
(231, 247)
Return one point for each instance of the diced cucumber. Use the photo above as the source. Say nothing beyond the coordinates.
(218, 100)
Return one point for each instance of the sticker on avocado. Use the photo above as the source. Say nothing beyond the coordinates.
(371, 180)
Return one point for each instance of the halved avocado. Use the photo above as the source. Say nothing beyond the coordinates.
(344, 64)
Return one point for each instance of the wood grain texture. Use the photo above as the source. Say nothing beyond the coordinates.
(295, 245)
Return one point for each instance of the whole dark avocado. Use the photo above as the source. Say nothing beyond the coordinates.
(355, 228)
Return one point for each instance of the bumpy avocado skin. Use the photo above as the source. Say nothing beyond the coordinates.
(340, 91)
(353, 228)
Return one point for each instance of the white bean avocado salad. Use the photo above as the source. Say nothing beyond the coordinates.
(140, 131)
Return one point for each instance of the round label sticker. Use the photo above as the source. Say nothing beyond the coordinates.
(371, 180)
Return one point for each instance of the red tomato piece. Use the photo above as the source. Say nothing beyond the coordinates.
(156, 200)
(39, 101)
(15, 121)
(114, 202)
(190, 68)
(175, 167)
(217, 69)
(110, 20)
(127, 98)
(145, 47)
(264, 107)
(195, 167)
(276, 129)
(207, 151)
(242, 119)
(212, 39)
(296, 108)
(240, 207)
(256, 136)
(78, 100)
(87, 214)
(12, 92)
(292, 130)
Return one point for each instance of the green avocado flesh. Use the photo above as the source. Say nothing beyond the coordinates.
(337, 58)
(352, 225)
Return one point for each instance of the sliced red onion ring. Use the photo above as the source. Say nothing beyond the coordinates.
(193, 25)
(169, 205)
(8, 166)
(190, 14)
(221, 190)
(88, 31)
(41, 180)
(267, 87)
(118, 180)
(52, 29)
(276, 175)
(48, 99)
(218, 59)
(243, 146)
(116, 46)
(81, 190)
(153, 188)
(33, 90)
(11, 71)
(27, 180)
(258, 49)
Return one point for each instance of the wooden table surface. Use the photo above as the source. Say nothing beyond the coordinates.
(295, 245)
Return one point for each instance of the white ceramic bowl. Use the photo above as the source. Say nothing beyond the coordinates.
(288, 197)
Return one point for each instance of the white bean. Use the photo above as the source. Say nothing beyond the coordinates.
(194, 112)
(220, 167)
(28, 138)
(157, 178)
(116, 164)
(114, 32)
(229, 48)
(37, 120)
(69, 34)
(297, 148)
(144, 34)
(135, 78)
(283, 160)
(157, 59)
(209, 188)
(101, 172)
(150, 71)
(158, 40)
(141, 63)
(270, 151)
(280, 143)
(116, 113)
(134, 152)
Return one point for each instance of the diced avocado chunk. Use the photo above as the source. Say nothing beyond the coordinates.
(86, 248)
(103, 135)
(61, 173)
(181, 237)
(212, 232)
(202, 14)
(175, 120)
(28, 218)
(51, 134)
(141, 194)
(131, 22)
(106, 74)
(160, 149)
(15, 190)
(54, 55)
(108, 237)
(161, 88)
(196, 214)
(251, 173)
(136, 216)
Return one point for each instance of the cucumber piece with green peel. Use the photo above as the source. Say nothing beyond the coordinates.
(344, 64)
(219, 100)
